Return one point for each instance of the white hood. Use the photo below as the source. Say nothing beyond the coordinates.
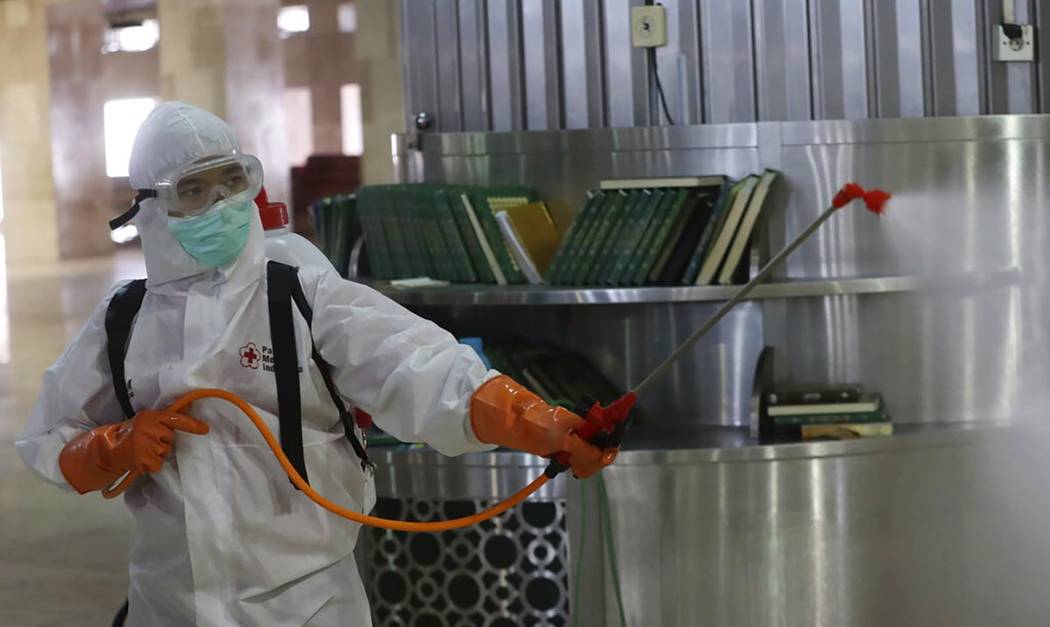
(175, 134)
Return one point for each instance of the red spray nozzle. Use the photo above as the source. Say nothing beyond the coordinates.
(846, 195)
(874, 199)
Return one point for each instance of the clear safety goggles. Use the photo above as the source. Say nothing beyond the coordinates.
(192, 190)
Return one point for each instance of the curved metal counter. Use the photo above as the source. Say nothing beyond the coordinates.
(939, 525)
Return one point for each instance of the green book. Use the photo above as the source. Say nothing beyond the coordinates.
(498, 198)
(356, 233)
(849, 431)
(454, 198)
(825, 419)
(726, 197)
(660, 212)
(377, 215)
(659, 237)
(489, 229)
(394, 227)
(459, 258)
(380, 254)
(738, 250)
(591, 222)
(415, 247)
(484, 201)
(435, 241)
(594, 246)
(483, 240)
(603, 266)
(317, 209)
(427, 264)
(344, 216)
(500, 361)
(399, 224)
(332, 224)
(573, 232)
(440, 256)
(424, 234)
(633, 232)
(375, 238)
(674, 233)
(725, 231)
(391, 228)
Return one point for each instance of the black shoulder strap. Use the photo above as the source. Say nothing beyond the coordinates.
(120, 314)
(283, 287)
(326, 374)
(279, 281)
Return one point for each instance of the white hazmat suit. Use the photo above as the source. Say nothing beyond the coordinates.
(221, 536)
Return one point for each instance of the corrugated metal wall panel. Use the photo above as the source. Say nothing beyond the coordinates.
(478, 65)
(782, 65)
(679, 63)
(1042, 83)
(419, 56)
(897, 32)
(505, 64)
(449, 78)
(540, 25)
(627, 84)
(473, 69)
(838, 44)
(583, 70)
(726, 35)
(1010, 85)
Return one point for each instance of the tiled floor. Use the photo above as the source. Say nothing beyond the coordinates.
(63, 557)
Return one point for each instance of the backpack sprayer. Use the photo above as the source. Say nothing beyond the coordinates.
(603, 426)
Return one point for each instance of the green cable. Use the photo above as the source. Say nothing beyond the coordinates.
(574, 609)
(606, 520)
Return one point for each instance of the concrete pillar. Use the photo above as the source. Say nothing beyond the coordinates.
(83, 193)
(225, 56)
(330, 62)
(378, 53)
(29, 224)
(193, 53)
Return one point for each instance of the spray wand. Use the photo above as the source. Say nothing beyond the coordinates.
(603, 426)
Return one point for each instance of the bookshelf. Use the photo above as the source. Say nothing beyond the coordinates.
(535, 295)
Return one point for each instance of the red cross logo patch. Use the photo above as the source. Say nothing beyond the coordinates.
(250, 356)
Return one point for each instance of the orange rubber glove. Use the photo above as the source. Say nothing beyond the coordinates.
(97, 458)
(503, 412)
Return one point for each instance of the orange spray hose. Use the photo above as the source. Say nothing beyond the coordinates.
(184, 402)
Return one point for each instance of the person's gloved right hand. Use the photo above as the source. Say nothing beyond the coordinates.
(503, 412)
(95, 459)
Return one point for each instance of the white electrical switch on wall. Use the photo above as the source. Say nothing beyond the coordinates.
(1014, 42)
(648, 26)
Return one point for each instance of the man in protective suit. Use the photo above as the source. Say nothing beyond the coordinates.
(221, 536)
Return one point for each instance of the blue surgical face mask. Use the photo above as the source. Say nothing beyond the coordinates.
(217, 237)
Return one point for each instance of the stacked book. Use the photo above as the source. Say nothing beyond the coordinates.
(554, 373)
(672, 231)
(827, 413)
(338, 228)
(557, 375)
(459, 234)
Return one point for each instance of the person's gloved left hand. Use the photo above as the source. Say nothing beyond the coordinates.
(503, 412)
(95, 459)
